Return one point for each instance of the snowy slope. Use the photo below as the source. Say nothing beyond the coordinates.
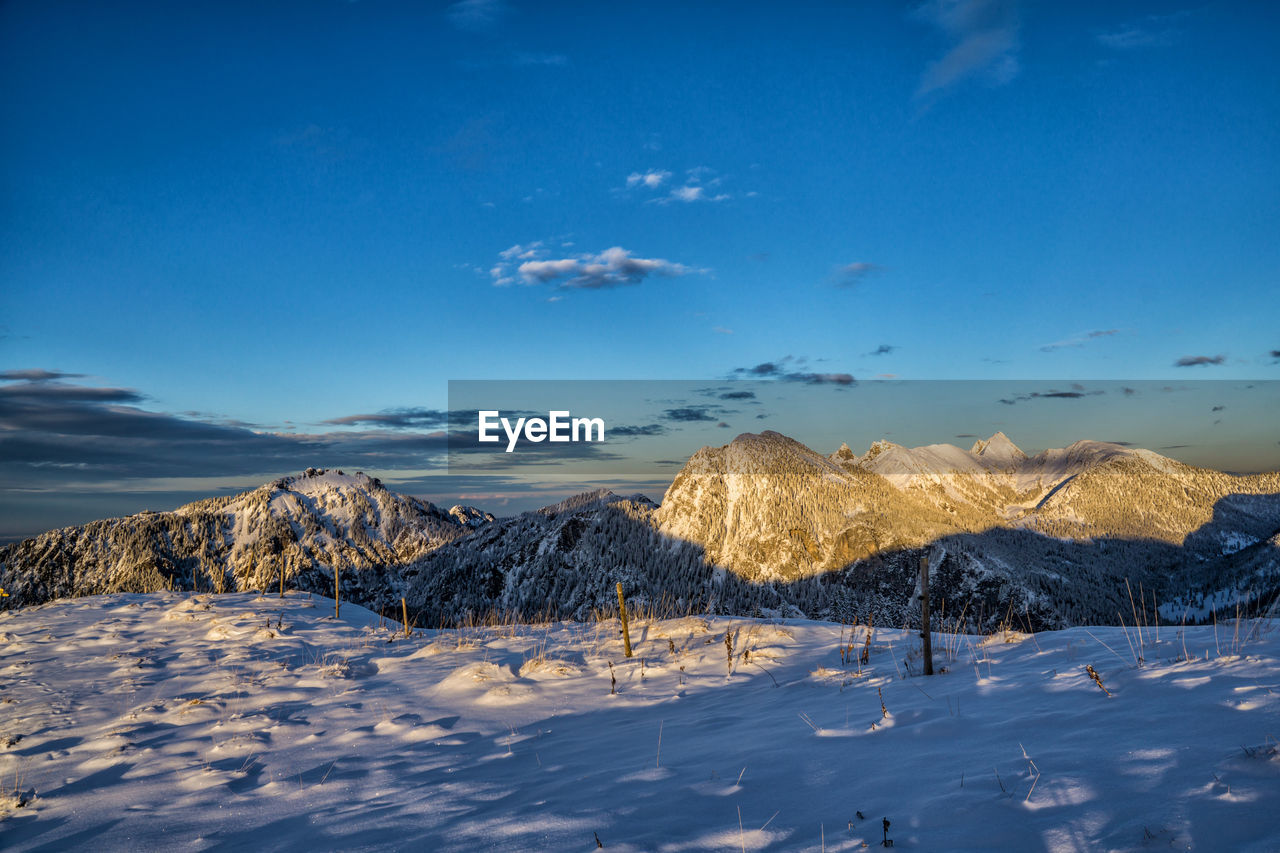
(165, 721)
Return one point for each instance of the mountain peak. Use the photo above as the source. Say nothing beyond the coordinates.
(879, 446)
(315, 480)
(998, 448)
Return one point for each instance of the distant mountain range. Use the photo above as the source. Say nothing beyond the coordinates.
(762, 525)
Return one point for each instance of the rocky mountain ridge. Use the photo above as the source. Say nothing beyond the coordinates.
(762, 524)
(765, 524)
(303, 526)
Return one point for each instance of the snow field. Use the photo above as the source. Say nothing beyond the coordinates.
(141, 722)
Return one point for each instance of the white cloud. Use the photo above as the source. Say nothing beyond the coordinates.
(983, 37)
(529, 250)
(652, 179)
(694, 188)
(544, 271)
(614, 267)
(689, 193)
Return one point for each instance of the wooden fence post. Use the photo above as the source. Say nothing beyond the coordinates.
(337, 591)
(404, 611)
(626, 631)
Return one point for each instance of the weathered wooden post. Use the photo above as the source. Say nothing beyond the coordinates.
(282, 566)
(404, 612)
(337, 594)
(925, 633)
(626, 631)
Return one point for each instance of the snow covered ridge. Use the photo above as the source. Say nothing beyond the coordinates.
(1052, 537)
(766, 525)
(762, 525)
(300, 526)
(176, 721)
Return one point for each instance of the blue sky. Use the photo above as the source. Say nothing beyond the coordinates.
(269, 217)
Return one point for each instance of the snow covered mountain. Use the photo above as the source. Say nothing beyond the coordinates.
(303, 526)
(767, 525)
(1052, 537)
(771, 509)
(762, 525)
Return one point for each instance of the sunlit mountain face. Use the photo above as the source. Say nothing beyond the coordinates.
(762, 524)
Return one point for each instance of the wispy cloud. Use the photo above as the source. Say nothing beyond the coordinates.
(883, 349)
(614, 267)
(1076, 392)
(983, 41)
(691, 414)
(1079, 340)
(476, 15)
(39, 388)
(36, 375)
(690, 193)
(1146, 32)
(793, 369)
(54, 433)
(851, 275)
(652, 179)
(403, 419)
(635, 430)
(1200, 360)
(699, 184)
(1275, 356)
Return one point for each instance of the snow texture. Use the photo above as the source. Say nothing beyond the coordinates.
(166, 720)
